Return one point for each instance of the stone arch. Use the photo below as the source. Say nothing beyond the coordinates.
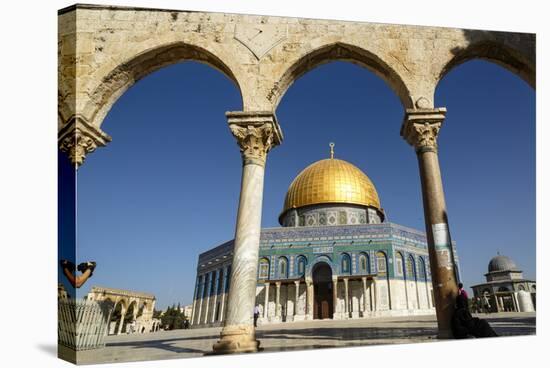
(339, 51)
(321, 258)
(124, 75)
(495, 51)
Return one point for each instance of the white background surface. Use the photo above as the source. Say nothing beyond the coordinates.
(28, 164)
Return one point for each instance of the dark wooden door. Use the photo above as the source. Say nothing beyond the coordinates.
(322, 291)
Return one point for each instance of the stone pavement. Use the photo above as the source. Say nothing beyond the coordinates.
(294, 336)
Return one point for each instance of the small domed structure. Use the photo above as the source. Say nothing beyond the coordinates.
(502, 263)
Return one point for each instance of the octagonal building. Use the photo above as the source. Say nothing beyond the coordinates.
(335, 256)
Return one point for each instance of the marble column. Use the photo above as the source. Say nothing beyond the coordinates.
(420, 129)
(201, 296)
(208, 291)
(224, 285)
(277, 300)
(121, 324)
(335, 297)
(375, 295)
(214, 306)
(309, 290)
(346, 298)
(194, 302)
(296, 297)
(266, 302)
(364, 280)
(256, 133)
(516, 301)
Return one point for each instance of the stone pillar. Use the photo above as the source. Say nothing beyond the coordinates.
(194, 302)
(266, 302)
(217, 275)
(346, 298)
(309, 291)
(335, 297)
(296, 297)
(208, 291)
(277, 300)
(420, 129)
(256, 133)
(516, 302)
(375, 295)
(122, 316)
(224, 286)
(201, 296)
(77, 138)
(364, 279)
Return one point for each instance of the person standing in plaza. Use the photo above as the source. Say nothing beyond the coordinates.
(461, 290)
(256, 315)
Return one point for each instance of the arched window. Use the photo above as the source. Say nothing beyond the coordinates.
(521, 287)
(381, 263)
(283, 267)
(263, 272)
(301, 266)
(346, 261)
(411, 272)
(363, 263)
(399, 264)
(422, 269)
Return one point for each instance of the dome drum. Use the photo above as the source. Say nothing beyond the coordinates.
(332, 214)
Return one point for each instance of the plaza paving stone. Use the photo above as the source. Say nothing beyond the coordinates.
(294, 336)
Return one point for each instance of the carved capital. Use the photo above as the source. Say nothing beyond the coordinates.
(78, 138)
(421, 127)
(256, 133)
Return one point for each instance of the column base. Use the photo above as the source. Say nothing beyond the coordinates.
(236, 339)
(445, 334)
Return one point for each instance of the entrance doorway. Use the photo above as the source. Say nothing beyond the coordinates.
(322, 291)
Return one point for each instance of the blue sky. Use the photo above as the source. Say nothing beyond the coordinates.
(167, 187)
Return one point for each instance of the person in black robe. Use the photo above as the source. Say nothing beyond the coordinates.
(464, 325)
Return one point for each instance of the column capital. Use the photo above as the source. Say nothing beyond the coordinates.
(421, 127)
(278, 284)
(78, 138)
(256, 132)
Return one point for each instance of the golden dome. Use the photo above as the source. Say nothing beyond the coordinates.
(331, 181)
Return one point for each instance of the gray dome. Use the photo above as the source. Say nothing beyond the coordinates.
(501, 263)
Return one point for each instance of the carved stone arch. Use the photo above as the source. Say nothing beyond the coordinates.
(339, 51)
(319, 259)
(518, 58)
(124, 75)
